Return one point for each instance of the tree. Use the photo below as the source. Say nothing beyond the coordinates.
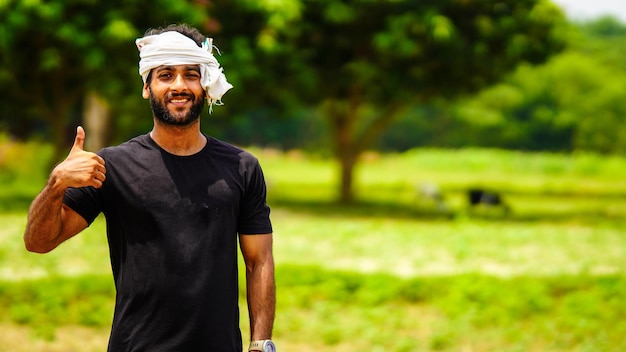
(62, 61)
(366, 61)
(572, 102)
(55, 54)
(360, 62)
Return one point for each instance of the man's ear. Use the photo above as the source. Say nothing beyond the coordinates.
(145, 93)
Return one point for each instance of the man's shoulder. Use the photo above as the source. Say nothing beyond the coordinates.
(226, 149)
(130, 147)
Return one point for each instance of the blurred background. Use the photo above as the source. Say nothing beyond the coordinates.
(444, 175)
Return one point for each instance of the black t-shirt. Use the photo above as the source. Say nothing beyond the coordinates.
(172, 225)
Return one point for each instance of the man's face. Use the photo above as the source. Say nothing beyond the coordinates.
(175, 93)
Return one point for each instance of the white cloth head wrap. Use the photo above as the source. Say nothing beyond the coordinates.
(173, 48)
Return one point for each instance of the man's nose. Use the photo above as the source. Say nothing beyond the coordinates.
(179, 83)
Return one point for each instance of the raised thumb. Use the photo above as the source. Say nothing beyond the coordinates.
(79, 142)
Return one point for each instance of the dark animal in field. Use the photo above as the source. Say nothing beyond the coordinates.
(478, 197)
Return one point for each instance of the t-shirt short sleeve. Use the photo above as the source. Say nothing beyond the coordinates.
(254, 216)
(84, 201)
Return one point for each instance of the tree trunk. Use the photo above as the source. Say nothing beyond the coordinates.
(346, 191)
(342, 123)
(58, 142)
(55, 116)
(349, 145)
(96, 117)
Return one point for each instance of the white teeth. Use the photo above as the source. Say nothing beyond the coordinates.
(178, 100)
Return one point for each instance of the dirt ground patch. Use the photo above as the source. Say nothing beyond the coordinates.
(17, 338)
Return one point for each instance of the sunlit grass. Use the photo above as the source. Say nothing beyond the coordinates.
(84, 254)
(413, 247)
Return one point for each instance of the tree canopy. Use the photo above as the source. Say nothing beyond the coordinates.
(571, 103)
(53, 52)
(367, 61)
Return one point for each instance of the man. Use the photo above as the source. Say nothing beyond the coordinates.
(176, 202)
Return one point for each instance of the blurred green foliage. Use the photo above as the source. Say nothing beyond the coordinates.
(572, 103)
(561, 313)
(358, 64)
(52, 53)
(22, 171)
(86, 300)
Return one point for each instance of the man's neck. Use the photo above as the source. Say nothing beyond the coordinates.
(179, 140)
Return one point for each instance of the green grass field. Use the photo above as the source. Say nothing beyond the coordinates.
(392, 272)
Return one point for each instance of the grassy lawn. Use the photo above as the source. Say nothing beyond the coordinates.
(390, 273)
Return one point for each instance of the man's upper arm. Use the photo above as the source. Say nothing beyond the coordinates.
(256, 248)
(73, 223)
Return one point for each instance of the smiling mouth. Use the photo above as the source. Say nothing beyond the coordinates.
(179, 99)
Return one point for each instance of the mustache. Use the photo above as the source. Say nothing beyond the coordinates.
(171, 96)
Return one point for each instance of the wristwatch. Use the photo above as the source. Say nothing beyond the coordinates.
(262, 345)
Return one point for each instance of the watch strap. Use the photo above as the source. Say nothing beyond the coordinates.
(257, 345)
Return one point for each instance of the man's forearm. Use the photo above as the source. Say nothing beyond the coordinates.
(44, 221)
(261, 294)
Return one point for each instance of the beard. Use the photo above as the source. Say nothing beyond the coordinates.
(180, 118)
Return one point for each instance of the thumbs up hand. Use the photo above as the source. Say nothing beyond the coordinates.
(81, 168)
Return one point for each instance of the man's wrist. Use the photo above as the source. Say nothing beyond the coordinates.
(262, 346)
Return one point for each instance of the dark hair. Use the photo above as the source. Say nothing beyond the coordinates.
(181, 28)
